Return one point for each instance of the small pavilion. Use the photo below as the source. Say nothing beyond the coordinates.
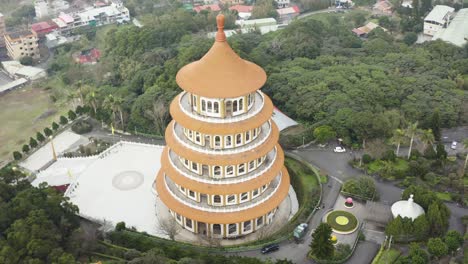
(407, 208)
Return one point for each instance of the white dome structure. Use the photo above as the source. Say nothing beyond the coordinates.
(408, 209)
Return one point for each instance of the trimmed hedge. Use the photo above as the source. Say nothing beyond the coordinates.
(351, 225)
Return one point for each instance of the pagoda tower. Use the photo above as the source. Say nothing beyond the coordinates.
(222, 172)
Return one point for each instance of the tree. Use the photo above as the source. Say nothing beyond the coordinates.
(324, 133)
(363, 187)
(55, 126)
(421, 227)
(398, 137)
(32, 142)
(465, 145)
(48, 132)
(426, 137)
(264, 8)
(120, 226)
(438, 216)
(453, 240)
(169, 227)
(321, 245)
(17, 155)
(441, 153)
(158, 113)
(411, 132)
(25, 148)
(417, 255)
(63, 120)
(410, 38)
(40, 137)
(436, 124)
(26, 60)
(114, 104)
(437, 247)
(71, 115)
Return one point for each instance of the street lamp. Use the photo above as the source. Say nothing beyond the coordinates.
(53, 148)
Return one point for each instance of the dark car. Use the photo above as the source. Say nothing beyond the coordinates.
(270, 248)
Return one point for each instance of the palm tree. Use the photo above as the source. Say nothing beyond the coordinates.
(465, 144)
(114, 103)
(118, 101)
(109, 103)
(91, 98)
(426, 137)
(411, 132)
(398, 137)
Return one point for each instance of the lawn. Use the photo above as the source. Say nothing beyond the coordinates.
(444, 196)
(388, 256)
(24, 112)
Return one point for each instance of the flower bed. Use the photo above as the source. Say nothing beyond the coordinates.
(342, 222)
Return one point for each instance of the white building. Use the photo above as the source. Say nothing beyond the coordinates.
(407, 208)
(17, 70)
(283, 3)
(46, 8)
(457, 31)
(114, 13)
(437, 19)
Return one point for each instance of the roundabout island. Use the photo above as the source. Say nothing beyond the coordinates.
(342, 222)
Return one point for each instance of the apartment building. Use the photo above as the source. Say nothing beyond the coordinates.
(2, 30)
(437, 19)
(21, 44)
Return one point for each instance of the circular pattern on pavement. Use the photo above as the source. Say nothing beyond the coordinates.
(128, 180)
(342, 222)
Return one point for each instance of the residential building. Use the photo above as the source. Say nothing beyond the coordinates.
(2, 30)
(231, 2)
(43, 28)
(90, 56)
(213, 7)
(99, 16)
(285, 15)
(437, 19)
(283, 3)
(16, 70)
(222, 171)
(21, 44)
(243, 11)
(383, 7)
(364, 31)
(457, 31)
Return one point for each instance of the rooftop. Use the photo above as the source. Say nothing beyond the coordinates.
(438, 13)
(457, 31)
(221, 73)
(43, 26)
(407, 208)
(214, 7)
(20, 34)
(288, 10)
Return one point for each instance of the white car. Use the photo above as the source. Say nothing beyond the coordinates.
(339, 149)
(454, 145)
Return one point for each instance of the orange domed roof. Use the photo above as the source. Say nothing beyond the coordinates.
(221, 73)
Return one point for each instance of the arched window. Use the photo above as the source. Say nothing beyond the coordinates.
(247, 136)
(203, 105)
(210, 107)
(238, 139)
(229, 170)
(228, 141)
(217, 141)
(234, 106)
(241, 169)
(216, 107)
(232, 229)
(194, 101)
(241, 104)
(217, 170)
(217, 199)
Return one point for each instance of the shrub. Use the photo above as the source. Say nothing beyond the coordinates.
(120, 226)
(82, 127)
(363, 187)
(71, 115)
(366, 159)
(79, 110)
(25, 148)
(32, 142)
(55, 126)
(26, 60)
(410, 38)
(40, 137)
(48, 132)
(389, 155)
(63, 120)
(17, 155)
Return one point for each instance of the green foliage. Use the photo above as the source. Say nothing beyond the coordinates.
(48, 132)
(410, 38)
(82, 127)
(351, 225)
(63, 120)
(26, 60)
(264, 9)
(25, 148)
(32, 142)
(435, 125)
(441, 153)
(321, 245)
(324, 133)
(437, 247)
(71, 115)
(40, 137)
(120, 226)
(453, 240)
(362, 187)
(366, 158)
(17, 155)
(24, 14)
(55, 126)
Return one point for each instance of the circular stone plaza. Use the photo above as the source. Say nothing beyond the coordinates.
(221, 174)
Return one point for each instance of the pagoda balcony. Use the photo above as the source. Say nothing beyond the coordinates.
(260, 139)
(266, 165)
(186, 107)
(203, 205)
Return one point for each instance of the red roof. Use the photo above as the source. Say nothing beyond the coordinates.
(242, 8)
(214, 7)
(43, 27)
(288, 10)
(89, 56)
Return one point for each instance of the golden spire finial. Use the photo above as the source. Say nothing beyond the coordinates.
(220, 36)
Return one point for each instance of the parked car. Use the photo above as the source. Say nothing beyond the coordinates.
(270, 248)
(300, 231)
(454, 145)
(339, 149)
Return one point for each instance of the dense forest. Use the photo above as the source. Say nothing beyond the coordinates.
(318, 73)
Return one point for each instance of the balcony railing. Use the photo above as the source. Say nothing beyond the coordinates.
(180, 137)
(266, 165)
(184, 103)
(203, 206)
